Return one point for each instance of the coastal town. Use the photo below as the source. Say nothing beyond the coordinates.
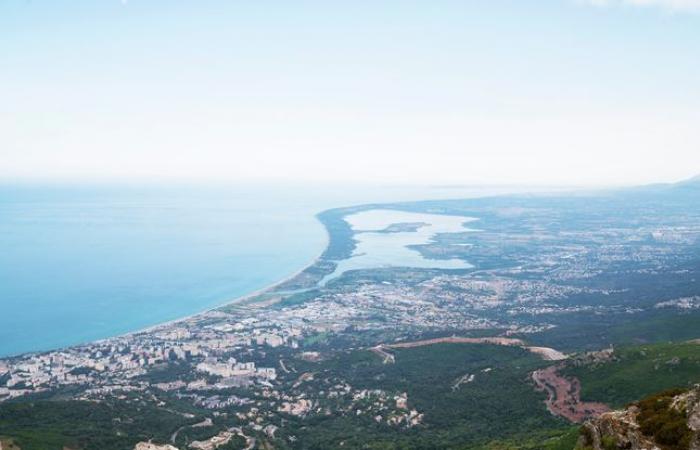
(243, 372)
(221, 346)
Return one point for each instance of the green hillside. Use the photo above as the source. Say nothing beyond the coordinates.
(638, 371)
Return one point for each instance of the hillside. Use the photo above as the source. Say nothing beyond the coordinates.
(634, 372)
(669, 420)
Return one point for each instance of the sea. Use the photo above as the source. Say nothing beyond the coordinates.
(85, 262)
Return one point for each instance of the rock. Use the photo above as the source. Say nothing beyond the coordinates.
(618, 427)
(150, 446)
(622, 429)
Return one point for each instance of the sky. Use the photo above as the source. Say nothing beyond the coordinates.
(592, 92)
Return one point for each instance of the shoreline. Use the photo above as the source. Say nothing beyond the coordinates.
(233, 301)
(236, 300)
(166, 323)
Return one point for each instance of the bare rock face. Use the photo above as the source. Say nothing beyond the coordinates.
(150, 446)
(670, 420)
(616, 429)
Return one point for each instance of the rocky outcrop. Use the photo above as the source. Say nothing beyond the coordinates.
(692, 407)
(666, 421)
(151, 446)
(616, 429)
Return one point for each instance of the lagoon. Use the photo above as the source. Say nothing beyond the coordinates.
(384, 239)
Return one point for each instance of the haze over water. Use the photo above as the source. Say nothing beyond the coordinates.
(85, 263)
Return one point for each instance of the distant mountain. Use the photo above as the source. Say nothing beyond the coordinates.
(687, 189)
(683, 191)
(692, 182)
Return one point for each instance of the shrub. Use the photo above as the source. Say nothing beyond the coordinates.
(668, 426)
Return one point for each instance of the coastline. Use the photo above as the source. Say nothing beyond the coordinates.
(236, 300)
(329, 253)
(232, 301)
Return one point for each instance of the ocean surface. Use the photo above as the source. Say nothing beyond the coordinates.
(80, 263)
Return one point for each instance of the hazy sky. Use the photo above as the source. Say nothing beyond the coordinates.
(438, 91)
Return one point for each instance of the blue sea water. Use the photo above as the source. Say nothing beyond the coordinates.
(80, 263)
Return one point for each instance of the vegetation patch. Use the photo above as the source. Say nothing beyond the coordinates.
(668, 426)
(498, 408)
(46, 425)
(638, 371)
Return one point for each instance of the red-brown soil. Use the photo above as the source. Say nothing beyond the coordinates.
(564, 396)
